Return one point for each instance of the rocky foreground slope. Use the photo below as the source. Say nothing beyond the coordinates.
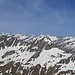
(36, 55)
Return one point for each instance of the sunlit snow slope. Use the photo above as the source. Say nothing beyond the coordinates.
(36, 55)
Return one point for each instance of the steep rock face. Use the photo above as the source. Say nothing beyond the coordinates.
(36, 55)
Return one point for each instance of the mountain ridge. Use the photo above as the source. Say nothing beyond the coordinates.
(36, 55)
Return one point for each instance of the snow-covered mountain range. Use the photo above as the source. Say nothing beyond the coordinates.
(36, 55)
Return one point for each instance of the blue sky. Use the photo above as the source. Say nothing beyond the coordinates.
(54, 17)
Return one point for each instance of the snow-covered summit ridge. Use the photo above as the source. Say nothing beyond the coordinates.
(21, 36)
(36, 55)
(65, 43)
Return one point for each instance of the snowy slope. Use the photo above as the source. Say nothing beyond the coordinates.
(36, 55)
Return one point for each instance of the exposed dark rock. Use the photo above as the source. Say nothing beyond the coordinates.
(8, 53)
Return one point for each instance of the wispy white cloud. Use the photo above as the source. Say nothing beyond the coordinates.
(36, 15)
(22, 7)
(30, 6)
(4, 12)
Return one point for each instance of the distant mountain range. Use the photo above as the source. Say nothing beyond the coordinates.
(36, 55)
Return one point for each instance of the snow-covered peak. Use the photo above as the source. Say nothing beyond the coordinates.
(20, 36)
(53, 38)
(36, 55)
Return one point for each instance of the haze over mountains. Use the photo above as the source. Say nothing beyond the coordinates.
(36, 55)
